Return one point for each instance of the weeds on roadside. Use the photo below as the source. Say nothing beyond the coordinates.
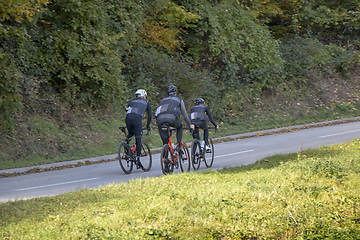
(312, 195)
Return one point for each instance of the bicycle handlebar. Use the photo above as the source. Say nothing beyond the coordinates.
(214, 128)
(148, 130)
(123, 129)
(191, 130)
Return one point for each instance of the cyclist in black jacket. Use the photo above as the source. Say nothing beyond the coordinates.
(169, 112)
(133, 120)
(200, 116)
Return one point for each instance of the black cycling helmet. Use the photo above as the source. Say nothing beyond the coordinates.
(199, 100)
(171, 89)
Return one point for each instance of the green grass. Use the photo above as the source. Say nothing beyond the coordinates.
(310, 195)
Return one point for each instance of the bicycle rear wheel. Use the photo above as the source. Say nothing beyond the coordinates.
(145, 156)
(209, 155)
(195, 154)
(184, 159)
(166, 160)
(125, 160)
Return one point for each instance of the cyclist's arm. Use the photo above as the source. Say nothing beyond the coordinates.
(207, 110)
(183, 112)
(149, 115)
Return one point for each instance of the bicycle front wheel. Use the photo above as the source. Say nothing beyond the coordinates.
(184, 159)
(145, 157)
(125, 160)
(209, 155)
(166, 160)
(195, 154)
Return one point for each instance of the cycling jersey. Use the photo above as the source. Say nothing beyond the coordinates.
(169, 105)
(138, 106)
(198, 113)
(169, 112)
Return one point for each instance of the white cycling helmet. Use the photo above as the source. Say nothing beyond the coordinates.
(140, 93)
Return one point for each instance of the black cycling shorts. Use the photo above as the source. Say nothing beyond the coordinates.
(170, 119)
(134, 125)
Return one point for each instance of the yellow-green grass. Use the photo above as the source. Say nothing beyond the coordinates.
(314, 194)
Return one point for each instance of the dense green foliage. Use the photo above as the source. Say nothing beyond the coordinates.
(69, 56)
(310, 195)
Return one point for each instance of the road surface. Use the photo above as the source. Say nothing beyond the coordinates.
(232, 153)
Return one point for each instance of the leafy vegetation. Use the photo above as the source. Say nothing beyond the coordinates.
(77, 64)
(309, 195)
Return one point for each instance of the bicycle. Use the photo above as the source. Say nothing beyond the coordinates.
(170, 158)
(198, 150)
(127, 154)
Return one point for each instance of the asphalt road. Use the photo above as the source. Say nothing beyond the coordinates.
(231, 153)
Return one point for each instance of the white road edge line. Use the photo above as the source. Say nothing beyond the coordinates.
(56, 184)
(234, 153)
(339, 134)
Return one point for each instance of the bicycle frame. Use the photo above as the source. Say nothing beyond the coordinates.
(201, 136)
(170, 143)
(176, 159)
(198, 152)
(128, 156)
(123, 129)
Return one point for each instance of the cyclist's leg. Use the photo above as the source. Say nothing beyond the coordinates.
(135, 128)
(179, 130)
(203, 125)
(195, 132)
(166, 166)
(164, 135)
(138, 135)
(134, 124)
(170, 120)
(129, 125)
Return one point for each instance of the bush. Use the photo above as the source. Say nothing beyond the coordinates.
(303, 56)
(155, 71)
(342, 59)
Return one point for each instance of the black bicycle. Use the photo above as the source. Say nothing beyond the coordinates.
(127, 154)
(200, 152)
(170, 158)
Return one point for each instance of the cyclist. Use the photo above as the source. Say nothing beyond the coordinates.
(169, 112)
(200, 116)
(133, 120)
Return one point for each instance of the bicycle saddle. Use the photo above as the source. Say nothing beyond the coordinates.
(165, 126)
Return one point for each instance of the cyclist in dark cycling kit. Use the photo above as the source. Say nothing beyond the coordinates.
(200, 116)
(169, 112)
(133, 120)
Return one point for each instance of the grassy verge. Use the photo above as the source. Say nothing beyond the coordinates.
(310, 195)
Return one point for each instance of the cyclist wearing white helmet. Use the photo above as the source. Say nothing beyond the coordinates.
(200, 116)
(133, 120)
(169, 112)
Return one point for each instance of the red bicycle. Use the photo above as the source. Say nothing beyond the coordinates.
(170, 158)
